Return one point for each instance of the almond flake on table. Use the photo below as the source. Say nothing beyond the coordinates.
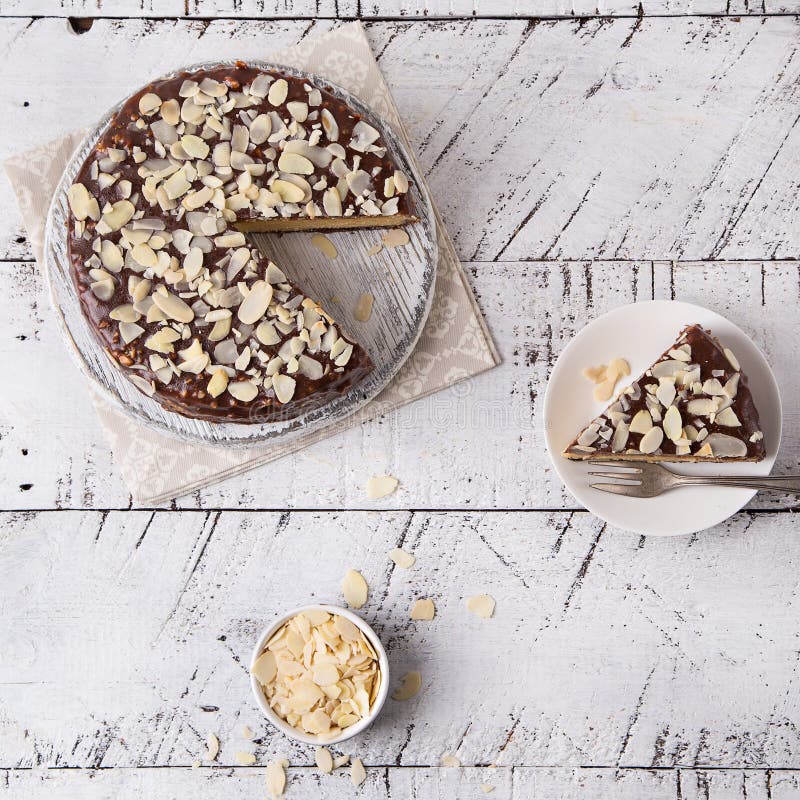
(381, 486)
(402, 558)
(324, 760)
(247, 732)
(487, 787)
(409, 687)
(340, 761)
(354, 588)
(482, 605)
(450, 761)
(357, 772)
(212, 747)
(276, 777)
(423, 609)
(245, 759)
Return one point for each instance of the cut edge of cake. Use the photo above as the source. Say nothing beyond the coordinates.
(330, 224)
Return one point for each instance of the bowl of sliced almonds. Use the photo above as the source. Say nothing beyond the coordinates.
(320, 674)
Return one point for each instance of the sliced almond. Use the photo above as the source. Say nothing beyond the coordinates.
(276, 777)
(652, 440)
(244, 391)
(381, 486)
(332, 202)
(665, 393)
(482, 605)
(284, 387)
(125, 313)
(81, 203)
(260, 129)
(409, 687)
(218, 383)
(118, 215)
(449, 760)
(295, 164)
(395, 237)
(673, 424)
(278, 92)
(170, 112)
(173, 306)
(423, 609)
(255, 305)
(403, 559)
(298, 110)
(724, 446)
(324, 760)
(363, 309)
(641, 422)
(354, 589)
(595, 374)
(357, 772)
(486, 788)
(111, 256)
(329, 125)
(244, 759)
(324, 245)
(144, 255)
(727, 418)
(212, 747)
(149, 103)
(289, 192)
(732, 360)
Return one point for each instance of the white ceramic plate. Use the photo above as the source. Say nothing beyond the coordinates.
(640, 333)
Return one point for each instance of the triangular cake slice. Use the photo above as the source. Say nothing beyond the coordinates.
(692, 404)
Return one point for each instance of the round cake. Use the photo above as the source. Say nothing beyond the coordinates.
(197, 317)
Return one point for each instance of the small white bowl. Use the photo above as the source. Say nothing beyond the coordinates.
(353, 730)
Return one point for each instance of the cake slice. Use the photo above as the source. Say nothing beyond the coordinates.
(692, 404)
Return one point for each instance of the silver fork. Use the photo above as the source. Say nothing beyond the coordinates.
(649, 480)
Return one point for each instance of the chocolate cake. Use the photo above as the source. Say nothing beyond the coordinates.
(198, 318)
(692, 404)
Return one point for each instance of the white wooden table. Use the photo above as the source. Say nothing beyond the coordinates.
(583, 157)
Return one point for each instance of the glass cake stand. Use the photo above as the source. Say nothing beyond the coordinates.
(401, 280)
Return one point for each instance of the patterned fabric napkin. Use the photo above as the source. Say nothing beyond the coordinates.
(454, 345)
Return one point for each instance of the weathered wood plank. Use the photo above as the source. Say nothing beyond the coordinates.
(478, 445)
(433, 784)
(606, 138)
(406, 9)
(604, 650)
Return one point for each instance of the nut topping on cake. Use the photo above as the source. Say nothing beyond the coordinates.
(158, 252)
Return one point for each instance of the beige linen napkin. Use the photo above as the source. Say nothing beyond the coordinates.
(455, 343)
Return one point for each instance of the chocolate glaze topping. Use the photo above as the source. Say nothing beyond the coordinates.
(300, 146)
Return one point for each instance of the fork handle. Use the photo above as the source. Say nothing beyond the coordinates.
(786, 483)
